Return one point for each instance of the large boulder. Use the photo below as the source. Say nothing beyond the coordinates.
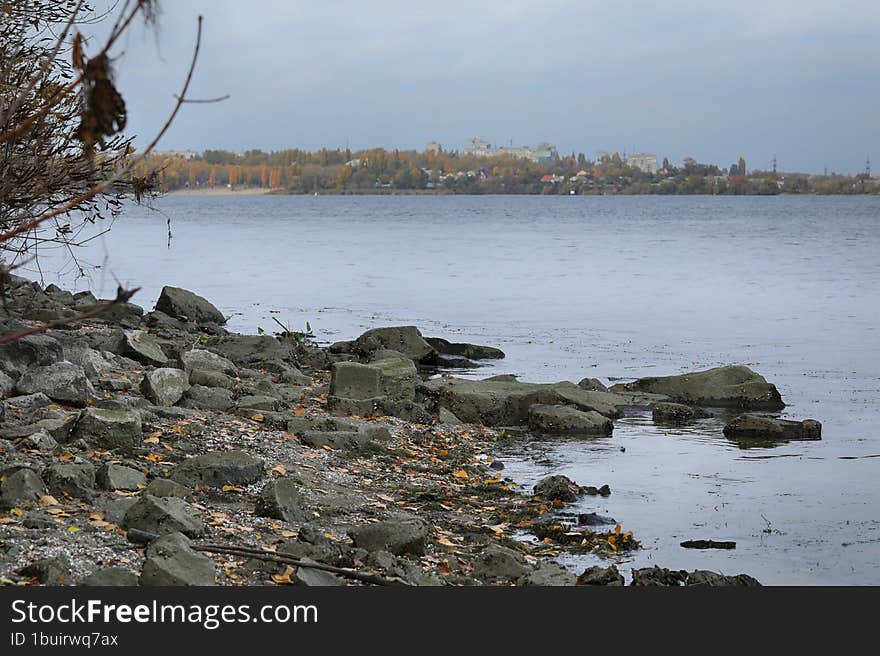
(204, 360)
(564, 419)
(109, 429)
(18, 356)
(504, 401)
(164, 386)
(76, 480)
(62, 381)
(393, 378)
(142, 347)
(249, 349)
(404, 339)
(496, 563)
(396, 536)
(596, 575)
(113, 476)
(464, 350)
(207, 398)
(734, 386)
(162, 516)
(557, 488)
(22, 486)
(757, 427)
(184, 304)
(171, 561)
(219, 468)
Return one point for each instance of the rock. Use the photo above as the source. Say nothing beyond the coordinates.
(282, 499)
(557, 487)
(110, 577)
(336, 440)
(207, 378)
(315, 577)
(7, 385)
(127, 315)
(504, 401)
(162, 516)
(594, 519)
(115, 508)
(18, 356)
(601, 576)
(378, 384)
(170, 560)
(404, 339)
(164, 386)
(112, 476)
(396, 536)
(713, 579)
(49, 571)
(286, 373)
(207, 398)
(548, 574)
(58, 424)
(93, 362)
(593, 385)
(658, 576)
(672, 413)
(165, 487)
(201, 359)
(445, 416)
(557, 419)
(246, 350)
(29, 401)
(109, 429)
(352, 380)
(734, 386)
(76, 480)
(41, 441)
(184, 304)
(469, 351)
(23, 485)
(258, 402)
(219, 468)
(757, 427)
(496, 563)
(708, 544)
(142, 347)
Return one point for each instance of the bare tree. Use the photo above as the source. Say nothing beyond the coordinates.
(65, 163)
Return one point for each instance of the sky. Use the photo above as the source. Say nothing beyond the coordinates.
(798, 79)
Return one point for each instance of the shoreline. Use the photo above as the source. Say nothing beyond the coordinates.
(269, 445)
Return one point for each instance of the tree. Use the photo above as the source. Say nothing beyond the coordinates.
(741, 166)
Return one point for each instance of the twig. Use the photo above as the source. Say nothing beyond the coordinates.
(261, 554)
(122, 296)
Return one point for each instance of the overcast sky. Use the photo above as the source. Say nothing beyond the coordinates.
(714, 80)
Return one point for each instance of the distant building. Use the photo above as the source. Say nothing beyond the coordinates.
(645, 162)
(177, 154)
(434, 148)
(543, 152)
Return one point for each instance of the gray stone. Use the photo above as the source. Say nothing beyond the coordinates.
(41, 441)
(207, 398)
(672, 413)
(496, 563)
(757, 427)
(112, 476)
(734, 386)
(282, 499)
(18, 356)
(658, 576)
(110, 577)
(549, 574)
(311, 577)
(142, 347)
(464, 350)
(249, 349)
(258, 402)
(49, 571)
(601, 576)
(202, 359)
(93, 362)
(171, 561)
(396, 536)
(115, 508)
(337, 440)
(109, 429)
(162, 516)
(559, 419)
(286, 373)
(76, 480)
(219, 468)
(7, 385)
(593, 385)
(164, 386)
(558, 487)
(23, 485)
(184, 304)
(29, 401)
(207, 378)
(398, 378)
(165, 487)
(404, 339)
(353, 380)
(447, 417)
(713, 579)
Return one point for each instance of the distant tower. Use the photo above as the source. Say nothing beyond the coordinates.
(774, 164)
(868, 166)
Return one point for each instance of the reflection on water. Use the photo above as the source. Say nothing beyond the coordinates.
(606, 287)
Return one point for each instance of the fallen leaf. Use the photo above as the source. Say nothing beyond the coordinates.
(281, 470)
(48, 500)
(17, 512)
(461, 473)
(284, 578)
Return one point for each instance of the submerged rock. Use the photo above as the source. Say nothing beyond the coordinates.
(758, 427)
(673, 413)
(564, 419)
(557, 487)
(464, 350)
(601, 576)
(734, 386)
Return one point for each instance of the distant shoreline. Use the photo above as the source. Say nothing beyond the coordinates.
(223, 191)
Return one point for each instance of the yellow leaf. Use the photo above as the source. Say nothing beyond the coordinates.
(446, 542)
(258, 417)
(72, 529)
(16, 511)
(284, 578)
(617, 530)
(232, 488)
(461, 473)
(299, 411)
(281, 470)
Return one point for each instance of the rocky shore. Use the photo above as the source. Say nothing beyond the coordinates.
(157, 448)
